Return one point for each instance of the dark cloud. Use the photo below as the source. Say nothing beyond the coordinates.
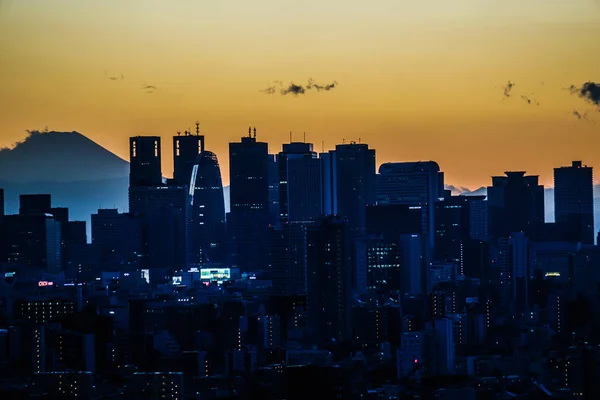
(589, 91)
(530, 100)
(578, 115)
(313, 85)
(295, 89)
(508, 88)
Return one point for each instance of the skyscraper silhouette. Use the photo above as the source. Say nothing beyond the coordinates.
(515, 204)
(207, 224)
(186, 149)
(145, 161)
(354, 180)
(574, 201)
(329, 280)
(300, 198)
(247, 223)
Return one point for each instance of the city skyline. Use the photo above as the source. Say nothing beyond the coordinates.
(408, 76)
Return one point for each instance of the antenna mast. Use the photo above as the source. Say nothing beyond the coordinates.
(197, 128)
(304, 138)
(255, 132)
(290, 136)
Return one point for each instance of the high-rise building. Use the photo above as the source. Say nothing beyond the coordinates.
(515, 204)
(273, 190)
(249, 174)
(415, 184)
(287, 259)
(351, 168)
(32, 240)
(165, 213)
(300, 188)
(207, 224)
(1, 202)
(329, 280)
(117, 237)
(247, 223)
(186, 149)
(145, 161)
(30, 204)
(574, 201)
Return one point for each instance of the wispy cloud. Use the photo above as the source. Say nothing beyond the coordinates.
(295, 89)
(589, 91)
(508, 88)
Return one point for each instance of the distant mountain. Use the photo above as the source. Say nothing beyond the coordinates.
(77, 172)
(59, 157)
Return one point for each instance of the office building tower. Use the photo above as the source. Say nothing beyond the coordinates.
(515, 204)
(32, 240)
(117, 238)
(300, 188)
(247, 223)
(165, 213)
(186, 149)
(145, 161)
(287, 259)
(512, 261)
(248, 173)
(395, 264)
(1, 202)
(328, 173)
(63, 385)
(207, 224)
(273, 190)
(416, 184)
(329, 280)
(478, 218)
(443, 350)
(30, 204)
(354, 184)
(574, 201)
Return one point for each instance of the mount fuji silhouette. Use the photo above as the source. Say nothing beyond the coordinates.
(78, 173)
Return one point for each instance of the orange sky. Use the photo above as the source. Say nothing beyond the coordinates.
(417, 80)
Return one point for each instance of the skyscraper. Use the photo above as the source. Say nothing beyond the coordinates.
(207, 224)
(329, 280)
(416, 184)
(186, 149)
(515, 204)
(30, 204)
(354, 184)
(145, 161)
(574, 201)
(1, 202)
(247, 223)
(300, 188)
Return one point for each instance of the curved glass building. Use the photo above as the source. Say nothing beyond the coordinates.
(208, 209)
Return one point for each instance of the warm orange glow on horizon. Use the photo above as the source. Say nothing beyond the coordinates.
(418, 80)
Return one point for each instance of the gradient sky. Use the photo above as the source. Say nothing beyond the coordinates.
(418, 80)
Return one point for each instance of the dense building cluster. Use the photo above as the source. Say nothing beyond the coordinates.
(327, 277)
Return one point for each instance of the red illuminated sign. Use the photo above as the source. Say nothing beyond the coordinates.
(45, 283)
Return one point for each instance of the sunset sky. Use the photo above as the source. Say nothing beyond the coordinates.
(418, 80)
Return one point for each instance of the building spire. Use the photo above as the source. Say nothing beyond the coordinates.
(197, 128)
(255, 132)
(249, 131)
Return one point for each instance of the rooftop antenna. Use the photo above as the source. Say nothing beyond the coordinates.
(178, 133)
(322, 146)
(343, 140)
(304, 138)
(290, 136)
(197, 128)
(255, 132)
(358, 140)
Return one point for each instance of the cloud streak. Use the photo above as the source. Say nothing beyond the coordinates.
(295, 89)
(508, 88)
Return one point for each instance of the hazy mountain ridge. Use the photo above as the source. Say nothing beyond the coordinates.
(59, 157)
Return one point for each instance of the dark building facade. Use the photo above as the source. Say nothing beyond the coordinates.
(207, 223)
(186, 149)
(515, 204)
(574, 201)
(300, 187)
(354, 184)
(247, 223)
(329, 280)
(145, 161)
(117, 237)
(30, 204)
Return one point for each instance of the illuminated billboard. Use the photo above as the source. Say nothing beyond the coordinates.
(215, 274)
